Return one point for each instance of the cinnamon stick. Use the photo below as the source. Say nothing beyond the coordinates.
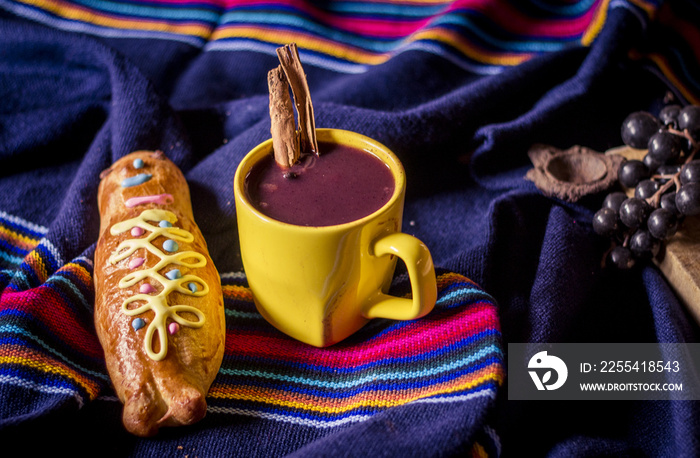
(285, 140)
(289, 60)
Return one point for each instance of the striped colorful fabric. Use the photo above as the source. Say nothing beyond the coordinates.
(347, 36)
(486, 444)
(49, 352)
(451, 355)
(481, 36)
(17, 239)
(677, 27)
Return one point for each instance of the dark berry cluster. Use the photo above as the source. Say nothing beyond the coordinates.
(666, 184)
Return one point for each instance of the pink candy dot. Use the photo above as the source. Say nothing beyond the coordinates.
(137, 231)
(146, 288)
(173, 328)
(135, 263)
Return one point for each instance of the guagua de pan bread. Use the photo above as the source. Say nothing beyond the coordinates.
(159, 309)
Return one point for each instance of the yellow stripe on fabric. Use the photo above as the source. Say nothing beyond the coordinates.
(687, 31)
(478, 451)
(77, 13)
(303, 40)
(237, 292)
(452, 277)
(79, 271)
(663, 65)
(49, 366)
(649, 8)
(356, 55)
(37, 264)
(596, 24)
(601, 15)
(372, 399)
(455, 40)
(18, 240)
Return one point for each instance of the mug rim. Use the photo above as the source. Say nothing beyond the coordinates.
(332, 135)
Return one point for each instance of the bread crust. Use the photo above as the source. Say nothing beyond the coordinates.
(159, 385)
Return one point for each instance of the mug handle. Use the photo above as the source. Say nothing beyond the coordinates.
(421, 273)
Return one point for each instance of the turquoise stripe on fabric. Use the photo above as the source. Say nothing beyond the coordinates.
(59, 279)
(372, 377)
(563, 9)
(188, 13)
(16, 330)
(518, 44)
(11, 259)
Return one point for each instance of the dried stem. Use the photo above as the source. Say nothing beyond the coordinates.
(626, 241)
(674, 179)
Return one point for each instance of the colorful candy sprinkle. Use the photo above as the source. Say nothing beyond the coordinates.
(138, 163)
(173, 328)
(138, 323)
(170, 245)
(165, 223)
(169, 278)
(146, 288)
(135, 263)
(136, 180)
(173, 274)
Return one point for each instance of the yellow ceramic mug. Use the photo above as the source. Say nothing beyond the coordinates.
(321, 284)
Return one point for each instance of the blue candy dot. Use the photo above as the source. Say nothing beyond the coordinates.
(138, 163)
(192, 287)
(138, 323)
(173, 274)
(170, 245)
(136, 180)
(165, 223)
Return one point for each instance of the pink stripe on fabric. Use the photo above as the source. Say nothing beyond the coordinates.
(426, 335)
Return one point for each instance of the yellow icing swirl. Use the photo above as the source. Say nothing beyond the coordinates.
(159, 303)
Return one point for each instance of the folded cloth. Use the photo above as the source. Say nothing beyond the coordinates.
(459, 90)
(52, 362)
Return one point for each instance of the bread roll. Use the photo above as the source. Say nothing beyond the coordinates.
(159, 309)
